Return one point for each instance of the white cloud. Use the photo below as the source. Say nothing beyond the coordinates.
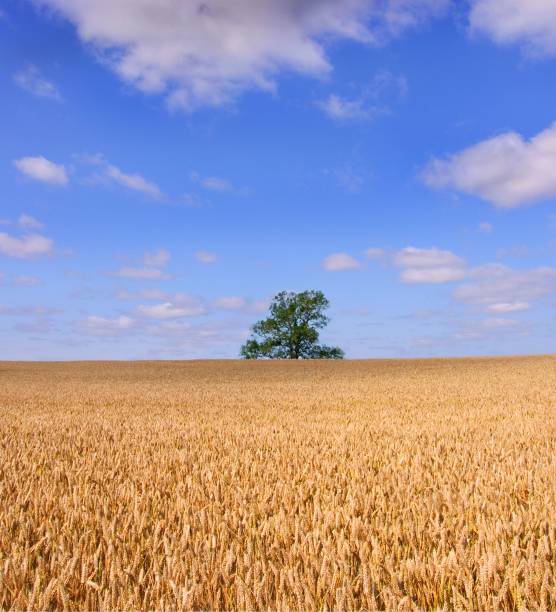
(153, 269)
(241, 304)
(192, 200)
(153, 294)
(530, 23)
(504, 307)
(108, 327)
(484, 328)
(207, 53)
(215, 183)
(338, 262)
(206, 257)
(30, 80)
(429, 265)
(26, 281)
(157, 259)
(412, 257)
(168, 310)
(417, 265)
(142, 273)
(149, 293)
(231, 303)
(135, 182)
(375, 253)
(341, 108)
(30, 223)
(432, 275)
(29, 246)
(111, 174)
(180, 337)
(498, 288)
(485, 228)
(169, 307)
(41, 169)
(374, 99)
(497, 323)
(507, 170)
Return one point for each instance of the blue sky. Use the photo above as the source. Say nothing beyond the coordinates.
(167, 167)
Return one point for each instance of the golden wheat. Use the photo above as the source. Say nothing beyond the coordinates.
(252, 485)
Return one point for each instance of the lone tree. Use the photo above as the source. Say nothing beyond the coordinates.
(291, 330)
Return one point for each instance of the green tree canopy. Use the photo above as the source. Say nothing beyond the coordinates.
(291, 331)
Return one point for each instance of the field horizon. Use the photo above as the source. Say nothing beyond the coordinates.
(478, 357)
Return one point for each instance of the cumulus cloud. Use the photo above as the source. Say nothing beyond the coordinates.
(530, 23)
(504, 307)
(149, 293)
(206, 257)
(375, 253)
(209, 339)
(41, 169)
(35, 319)
(30, 80)
(432, 265)
(507, 170)
(338, 262)
(207, 53)
(101, 326)
(168, 337)
(231, 303)
(240, 304)
(417, 265)
(341, 108)
(170, 306)
(153, 269)
(498, 288)
(217, 184)
(29, 223)
(108, 173)
(157, 259)
(496, 326)
(184, 307)
(375, 99)
(135, 182)
(30, 246)
(142, 273)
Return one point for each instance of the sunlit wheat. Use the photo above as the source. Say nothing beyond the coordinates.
(251, 485)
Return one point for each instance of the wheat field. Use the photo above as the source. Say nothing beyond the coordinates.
(278, 485)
